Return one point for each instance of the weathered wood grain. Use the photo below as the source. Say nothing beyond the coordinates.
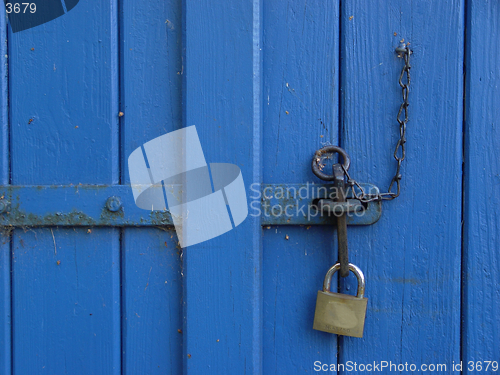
(412, 256)
(300, 109)
(266, 84)
(152, 302)
(222, 97)
(66, 301)
(481, 276)
(63, 95)
(5, 238)
(150, 82)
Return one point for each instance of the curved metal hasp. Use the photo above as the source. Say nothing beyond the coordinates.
(355, 269)
(317, 167)
(338, 178)
(340, 186)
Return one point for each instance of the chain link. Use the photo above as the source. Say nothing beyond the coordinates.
(400, 152)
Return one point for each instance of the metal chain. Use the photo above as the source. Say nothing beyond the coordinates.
(400, 152)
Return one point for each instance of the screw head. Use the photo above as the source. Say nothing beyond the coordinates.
(4, 205)
(113, 204)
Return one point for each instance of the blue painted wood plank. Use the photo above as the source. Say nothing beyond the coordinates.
(5, 238)
(481, 276)
(296, 259)
(5, 304)
(4, 107)
(151, 96)
(63, 81)
(152, 291)
(151, 70)
(66, 301)
(301, 85)
(222, 97)
(300, 103)
(412, 256)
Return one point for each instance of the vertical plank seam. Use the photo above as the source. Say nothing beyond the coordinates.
(121, 163)
(115, 93)
(115, 233)
(6, 162)
(340, 125)
(257, 312)
(121, 257)
(121, 147)
(340, 114)
(183, 124)
(121, 94)
(6, 180)
(11, 278)
(116, 177)
(464, 218)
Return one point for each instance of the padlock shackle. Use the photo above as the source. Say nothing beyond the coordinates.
(354, 269)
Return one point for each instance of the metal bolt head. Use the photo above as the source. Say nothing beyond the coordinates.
(113, 204)
(4, 205)
(402, 49)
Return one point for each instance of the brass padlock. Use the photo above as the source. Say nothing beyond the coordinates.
(338, 313)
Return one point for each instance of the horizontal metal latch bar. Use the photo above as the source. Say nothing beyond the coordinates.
(76, 205)
(103, 205)
(297, 204)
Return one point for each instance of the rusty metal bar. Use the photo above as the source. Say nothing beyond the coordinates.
(102, 205)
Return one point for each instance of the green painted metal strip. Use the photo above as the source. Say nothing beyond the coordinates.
(292, 204)
(85, 205)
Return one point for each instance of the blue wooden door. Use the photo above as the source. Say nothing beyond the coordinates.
(86, 290)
